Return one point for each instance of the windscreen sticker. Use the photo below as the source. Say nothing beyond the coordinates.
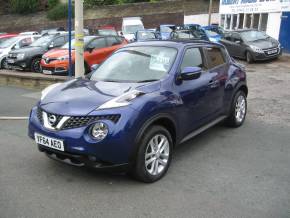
(159, 62)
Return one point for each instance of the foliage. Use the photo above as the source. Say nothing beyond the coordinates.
(52, 3)
(112, 2)
(24, 6)
(58, 12)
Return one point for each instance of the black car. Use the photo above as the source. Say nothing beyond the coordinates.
(29, 58)
(251, 45)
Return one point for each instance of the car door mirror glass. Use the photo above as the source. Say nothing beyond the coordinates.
(190, 73)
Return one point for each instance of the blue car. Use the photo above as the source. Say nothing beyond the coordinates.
(212, 33)
(144, 100)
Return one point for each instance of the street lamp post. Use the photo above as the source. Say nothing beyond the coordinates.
(79, 38)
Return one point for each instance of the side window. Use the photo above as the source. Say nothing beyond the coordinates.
(25, 42)
(236, 37)
(228, 37)
(59, 41)
(98, 43)
(192, 58)
(112, 41)
(215, 57)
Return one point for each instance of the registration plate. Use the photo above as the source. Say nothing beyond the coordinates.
(272, 51)
(10, 61)
(49, 142)
(47, 72)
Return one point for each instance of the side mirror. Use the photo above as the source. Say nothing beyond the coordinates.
(94, 67)
(238, 41)
(190, 73)
(120, 33)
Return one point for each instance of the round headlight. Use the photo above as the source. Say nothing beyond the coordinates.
(99, 131)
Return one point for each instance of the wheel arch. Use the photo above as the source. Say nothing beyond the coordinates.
(164, 120)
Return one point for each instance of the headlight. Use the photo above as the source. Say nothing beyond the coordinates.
(20, 56)
(256, 49)
(122, 100)
(63, 58)
(48, 89)
(99, 131)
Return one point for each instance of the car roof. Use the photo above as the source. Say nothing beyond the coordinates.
(178, 44)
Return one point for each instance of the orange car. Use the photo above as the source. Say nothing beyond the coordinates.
(97, 49)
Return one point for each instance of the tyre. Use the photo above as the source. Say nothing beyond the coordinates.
(249, 57)
(238, 110)
(154, 155)
(4, 64)
(35, 65)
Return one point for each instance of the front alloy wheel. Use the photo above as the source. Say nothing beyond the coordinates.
(154, 154)
(157, 154)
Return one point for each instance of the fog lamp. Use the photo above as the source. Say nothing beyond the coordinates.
(99, 131)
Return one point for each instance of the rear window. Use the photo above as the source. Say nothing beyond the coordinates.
(215, 57)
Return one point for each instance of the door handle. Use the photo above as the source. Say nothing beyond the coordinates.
(213, 83)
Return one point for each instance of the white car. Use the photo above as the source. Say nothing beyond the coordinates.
(130, 26)
(14, 43)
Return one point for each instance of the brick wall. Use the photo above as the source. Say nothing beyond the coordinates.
(152, 14)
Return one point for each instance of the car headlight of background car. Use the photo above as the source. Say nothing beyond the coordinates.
(256, 49)
(20, 56)
(99, 131)
(122, 100)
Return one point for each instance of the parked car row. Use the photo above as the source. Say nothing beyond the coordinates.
(48, 52)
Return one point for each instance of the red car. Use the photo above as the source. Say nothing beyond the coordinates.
(3, 37)
(97, 49)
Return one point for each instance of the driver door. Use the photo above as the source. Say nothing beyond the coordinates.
(195, 94)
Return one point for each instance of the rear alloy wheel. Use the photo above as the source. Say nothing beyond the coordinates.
(4, 64)
(238, 110)
(35, 65)
(154, 155)
(249, 57)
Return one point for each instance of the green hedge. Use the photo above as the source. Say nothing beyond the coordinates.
(58, 12)
(52, 3)
(24, 6)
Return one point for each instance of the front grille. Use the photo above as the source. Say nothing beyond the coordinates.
(269, 51)
(48, 60)
(77, 121)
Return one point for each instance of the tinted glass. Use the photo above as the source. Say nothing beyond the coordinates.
(192, 58)
(9, 42)
(136, 64)
(215, 57)
(43, 41)
(112, 41)
(59, 41)
(86, 41)
(98, 43)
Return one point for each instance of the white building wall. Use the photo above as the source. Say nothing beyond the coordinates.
(201, 19)
(273, 26)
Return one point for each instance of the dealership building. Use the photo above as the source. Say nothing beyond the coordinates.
(271, 16)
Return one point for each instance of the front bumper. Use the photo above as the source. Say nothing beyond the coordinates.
(81, 149)
(265, 56)
(53, 68)
(18, 64)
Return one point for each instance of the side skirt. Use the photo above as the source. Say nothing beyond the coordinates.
(202, 129)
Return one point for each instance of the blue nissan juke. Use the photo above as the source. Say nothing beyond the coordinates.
(140, 103)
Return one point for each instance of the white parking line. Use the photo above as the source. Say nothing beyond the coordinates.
(14, 118)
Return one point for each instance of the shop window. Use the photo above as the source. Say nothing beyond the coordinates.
(256, 18)
(241, 21)
(264, 21)
(235, 17)
(248, 20)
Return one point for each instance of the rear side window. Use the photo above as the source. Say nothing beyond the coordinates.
(98, 43)
(112, 41)
(192, 58)
(59, 41)
(215, 57)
